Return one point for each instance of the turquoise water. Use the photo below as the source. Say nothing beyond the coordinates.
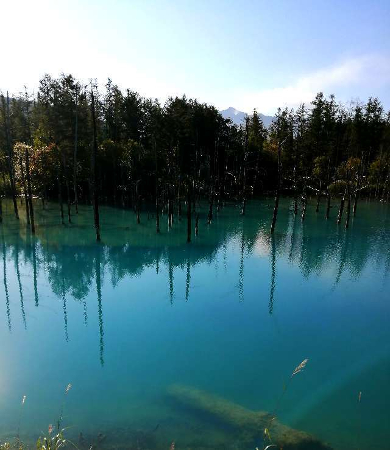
(233, 313)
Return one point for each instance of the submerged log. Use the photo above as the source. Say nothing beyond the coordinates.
(251, 423)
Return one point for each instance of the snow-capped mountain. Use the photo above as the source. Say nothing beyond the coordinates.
(238, 117)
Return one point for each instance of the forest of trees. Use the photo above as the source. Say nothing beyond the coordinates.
(72, 143)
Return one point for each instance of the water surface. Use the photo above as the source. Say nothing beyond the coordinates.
(233, 313)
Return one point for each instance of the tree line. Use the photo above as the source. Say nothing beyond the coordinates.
(74, 143)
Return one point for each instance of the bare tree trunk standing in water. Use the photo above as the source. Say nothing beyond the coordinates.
(76, 200)
(157, 210)
(93, 181)
(197, 225)
(179, 199)
(7, 132)
(1, 207)
(327, 205)
(355, 201)
(211, 201)
(243, 208)
(304, 203)
(137, 201)
(64, 164)
(385, 192)
(295, 204)
(169, 207)
(23, 176)
(341, 209)
(59, 179)
(30, 203)
(348, 211)
(328, 180)
(319, 197)
(157, 194)
(277, 194)
(348, 207)
(189, 226)
(358, 181)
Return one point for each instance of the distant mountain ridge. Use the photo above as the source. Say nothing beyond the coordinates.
(238, 117)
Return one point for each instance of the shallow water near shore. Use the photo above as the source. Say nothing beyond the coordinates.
(233, 313)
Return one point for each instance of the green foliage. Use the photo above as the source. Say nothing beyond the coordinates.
(321, 167)
(139, 139)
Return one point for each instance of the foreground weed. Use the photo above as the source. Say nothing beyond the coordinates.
(49, 442)
(267, 436)
(20, 416)
(61, 416)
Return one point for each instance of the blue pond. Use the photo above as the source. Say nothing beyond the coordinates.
(231, 314)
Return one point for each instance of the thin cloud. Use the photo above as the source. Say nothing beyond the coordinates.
(368, 72)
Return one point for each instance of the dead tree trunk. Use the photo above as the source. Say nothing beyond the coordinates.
(157, 193)
(358, 183)
(68, 198)
(24, 190)
(76, 200)
(189, 226)
(179, 200)
(59, 179)
(277, 193)
(243, 208)
(304, 205)
(386, 187)
(30, 203)
(295, 207)
(355, 202)
(7, 132)
(157, 211)
(348, 213)
(64, 163)
(211, 201)
(327, 205)
(137, 202)
(197, 225)
(170, 206)
(318, 198)
(341, 209)
(93, 181)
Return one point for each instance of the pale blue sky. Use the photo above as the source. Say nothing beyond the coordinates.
(244, 54)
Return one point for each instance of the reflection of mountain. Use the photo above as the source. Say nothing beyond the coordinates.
(74, 263)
